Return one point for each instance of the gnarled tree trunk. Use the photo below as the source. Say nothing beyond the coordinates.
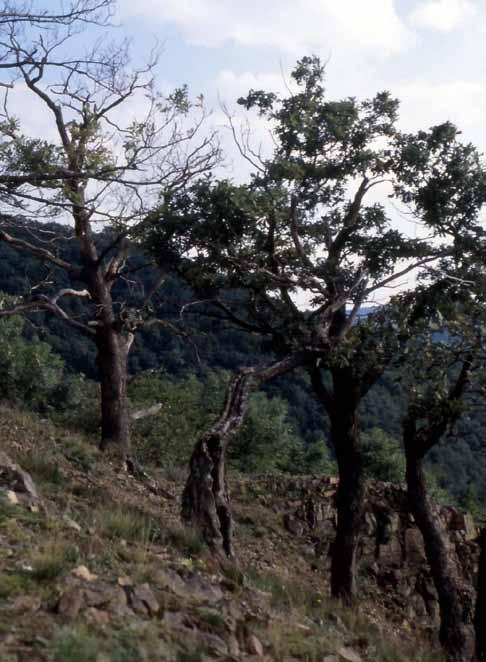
(206, 500)
(452, 633)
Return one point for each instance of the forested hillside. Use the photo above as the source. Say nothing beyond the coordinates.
(198, 346)
(205, 361)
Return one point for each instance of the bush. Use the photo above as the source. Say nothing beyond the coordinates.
(267, 441)
(20, 360)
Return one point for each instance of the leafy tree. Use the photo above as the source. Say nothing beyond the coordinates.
(309, 248)
(441, 372)
(101, 169)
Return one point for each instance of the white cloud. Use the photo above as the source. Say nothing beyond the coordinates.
(442, 15)
(293, 26)
(230, 85)
(462, 102)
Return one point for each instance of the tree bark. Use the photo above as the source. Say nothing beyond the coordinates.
(345, 437)
(480, 611)
(452, 635)
(112, 364)
(341, 405)
(206, 500)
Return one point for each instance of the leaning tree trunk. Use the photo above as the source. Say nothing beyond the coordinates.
(349, 500)
(480, 612)
(206, 500)
(112, 364)
(452, 635)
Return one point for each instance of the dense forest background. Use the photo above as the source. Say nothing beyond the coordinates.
(185, 365)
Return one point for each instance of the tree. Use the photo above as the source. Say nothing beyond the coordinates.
(439, 376)
(101, 169)
(310, 251)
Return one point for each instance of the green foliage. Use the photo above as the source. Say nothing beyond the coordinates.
(168, 438)
(267, 441)
(383, 456)
(29, 371)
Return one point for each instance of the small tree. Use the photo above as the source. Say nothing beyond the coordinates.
(310, 250)
(442, 363)
(102, 168)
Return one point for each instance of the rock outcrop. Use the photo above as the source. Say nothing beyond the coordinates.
(16, 485)
(392, 562)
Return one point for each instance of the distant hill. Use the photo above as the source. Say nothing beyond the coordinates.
(460, 464)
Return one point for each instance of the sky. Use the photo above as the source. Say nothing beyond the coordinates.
(431, 54)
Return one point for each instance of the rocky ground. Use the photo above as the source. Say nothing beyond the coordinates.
(94, 566)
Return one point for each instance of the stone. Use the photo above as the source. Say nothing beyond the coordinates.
(70, 603)
(12, 497)
(142, 600)
(414, 546)
(391, 553)
(233, 646)
(293, 525)
(82, 572)
(470, 528)
(24, 603)
(463, 522)
(111, 598)
(255, 646)
(349, 655)
(14, 479)
(192, 588)
(70, 523)
(96, 616)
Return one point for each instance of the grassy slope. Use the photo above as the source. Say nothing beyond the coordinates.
(273, 603)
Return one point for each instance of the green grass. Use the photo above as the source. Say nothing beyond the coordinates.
(42, 467)
(186, 540)
(118, 522)
(77, 645)
(189, 657)
(211, 621)
(285, 594)
(14, 583)
(81, 453)
(56, 559)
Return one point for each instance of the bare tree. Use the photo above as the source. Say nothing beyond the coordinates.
(104, 166)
